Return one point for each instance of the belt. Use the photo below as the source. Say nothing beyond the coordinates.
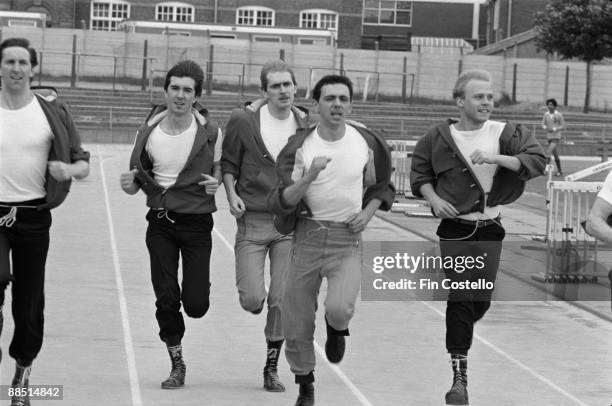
(325, 223)
(477, 223)
(30, 204)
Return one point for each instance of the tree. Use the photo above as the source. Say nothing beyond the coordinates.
(576, 29)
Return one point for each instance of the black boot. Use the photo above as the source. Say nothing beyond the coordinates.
(21, 380)
(177, 374)
(335, 344)
(458, 395)
(306, 396)
(271, 381)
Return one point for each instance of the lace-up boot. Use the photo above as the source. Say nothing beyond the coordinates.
(458, 395)
(21, 380)
(177, 374)
(271, 380)
(306, 397)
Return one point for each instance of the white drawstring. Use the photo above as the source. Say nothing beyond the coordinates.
(164, 213)
(476, 225)
(9, 219)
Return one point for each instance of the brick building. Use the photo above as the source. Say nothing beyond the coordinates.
(507, 18)
(357, 23)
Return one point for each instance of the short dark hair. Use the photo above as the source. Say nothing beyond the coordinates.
(187, 68)
(553, 101)
(19, 42)
(276, 65)
(331, 80)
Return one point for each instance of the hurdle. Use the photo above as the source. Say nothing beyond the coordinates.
(571, 254)
(401, 160)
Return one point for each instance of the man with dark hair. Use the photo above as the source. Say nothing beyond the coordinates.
(255, 135)
(175, 161)
(21, 43)
(40, 154)
(332, 178)
(553, 123)
(467, 170)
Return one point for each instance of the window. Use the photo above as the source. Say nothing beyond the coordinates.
(311, 41)
(266, 38)
(387, 12)
(255, 16)
(224, 36)
(177, 33)
(106, 15)
(22, 23)
(172, 11)
(317, 18)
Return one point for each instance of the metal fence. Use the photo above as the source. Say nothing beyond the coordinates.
(110, 70)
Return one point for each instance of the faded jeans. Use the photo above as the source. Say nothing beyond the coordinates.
(320, 249)
(256, 237)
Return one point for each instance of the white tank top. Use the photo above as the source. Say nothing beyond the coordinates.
(169, 153)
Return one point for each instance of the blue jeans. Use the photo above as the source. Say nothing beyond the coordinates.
(320, 249)
(256, 237)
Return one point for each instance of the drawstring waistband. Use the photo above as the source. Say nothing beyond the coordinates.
(9, 219)
(164, 214)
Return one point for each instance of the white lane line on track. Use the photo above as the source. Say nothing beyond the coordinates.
(125, 323)
(351, 386)
(517, 362)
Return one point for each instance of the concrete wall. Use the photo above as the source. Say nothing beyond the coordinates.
(372, 71)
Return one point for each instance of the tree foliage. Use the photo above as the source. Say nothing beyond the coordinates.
(576, 29)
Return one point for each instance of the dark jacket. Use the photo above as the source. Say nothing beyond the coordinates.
(65, 146)
(376, 177)
(246, 157)
(185, 196)
(437, 160)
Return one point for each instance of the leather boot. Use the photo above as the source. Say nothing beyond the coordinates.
(271, 381)
(177, 374)
(306, 396)
(458, 395)
(335, 344)
(21, 380)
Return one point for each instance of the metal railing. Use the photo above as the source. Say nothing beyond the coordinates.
(102, 73)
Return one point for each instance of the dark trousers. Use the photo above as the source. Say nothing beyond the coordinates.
(27, 243)
(466, 307)
(169, 235)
